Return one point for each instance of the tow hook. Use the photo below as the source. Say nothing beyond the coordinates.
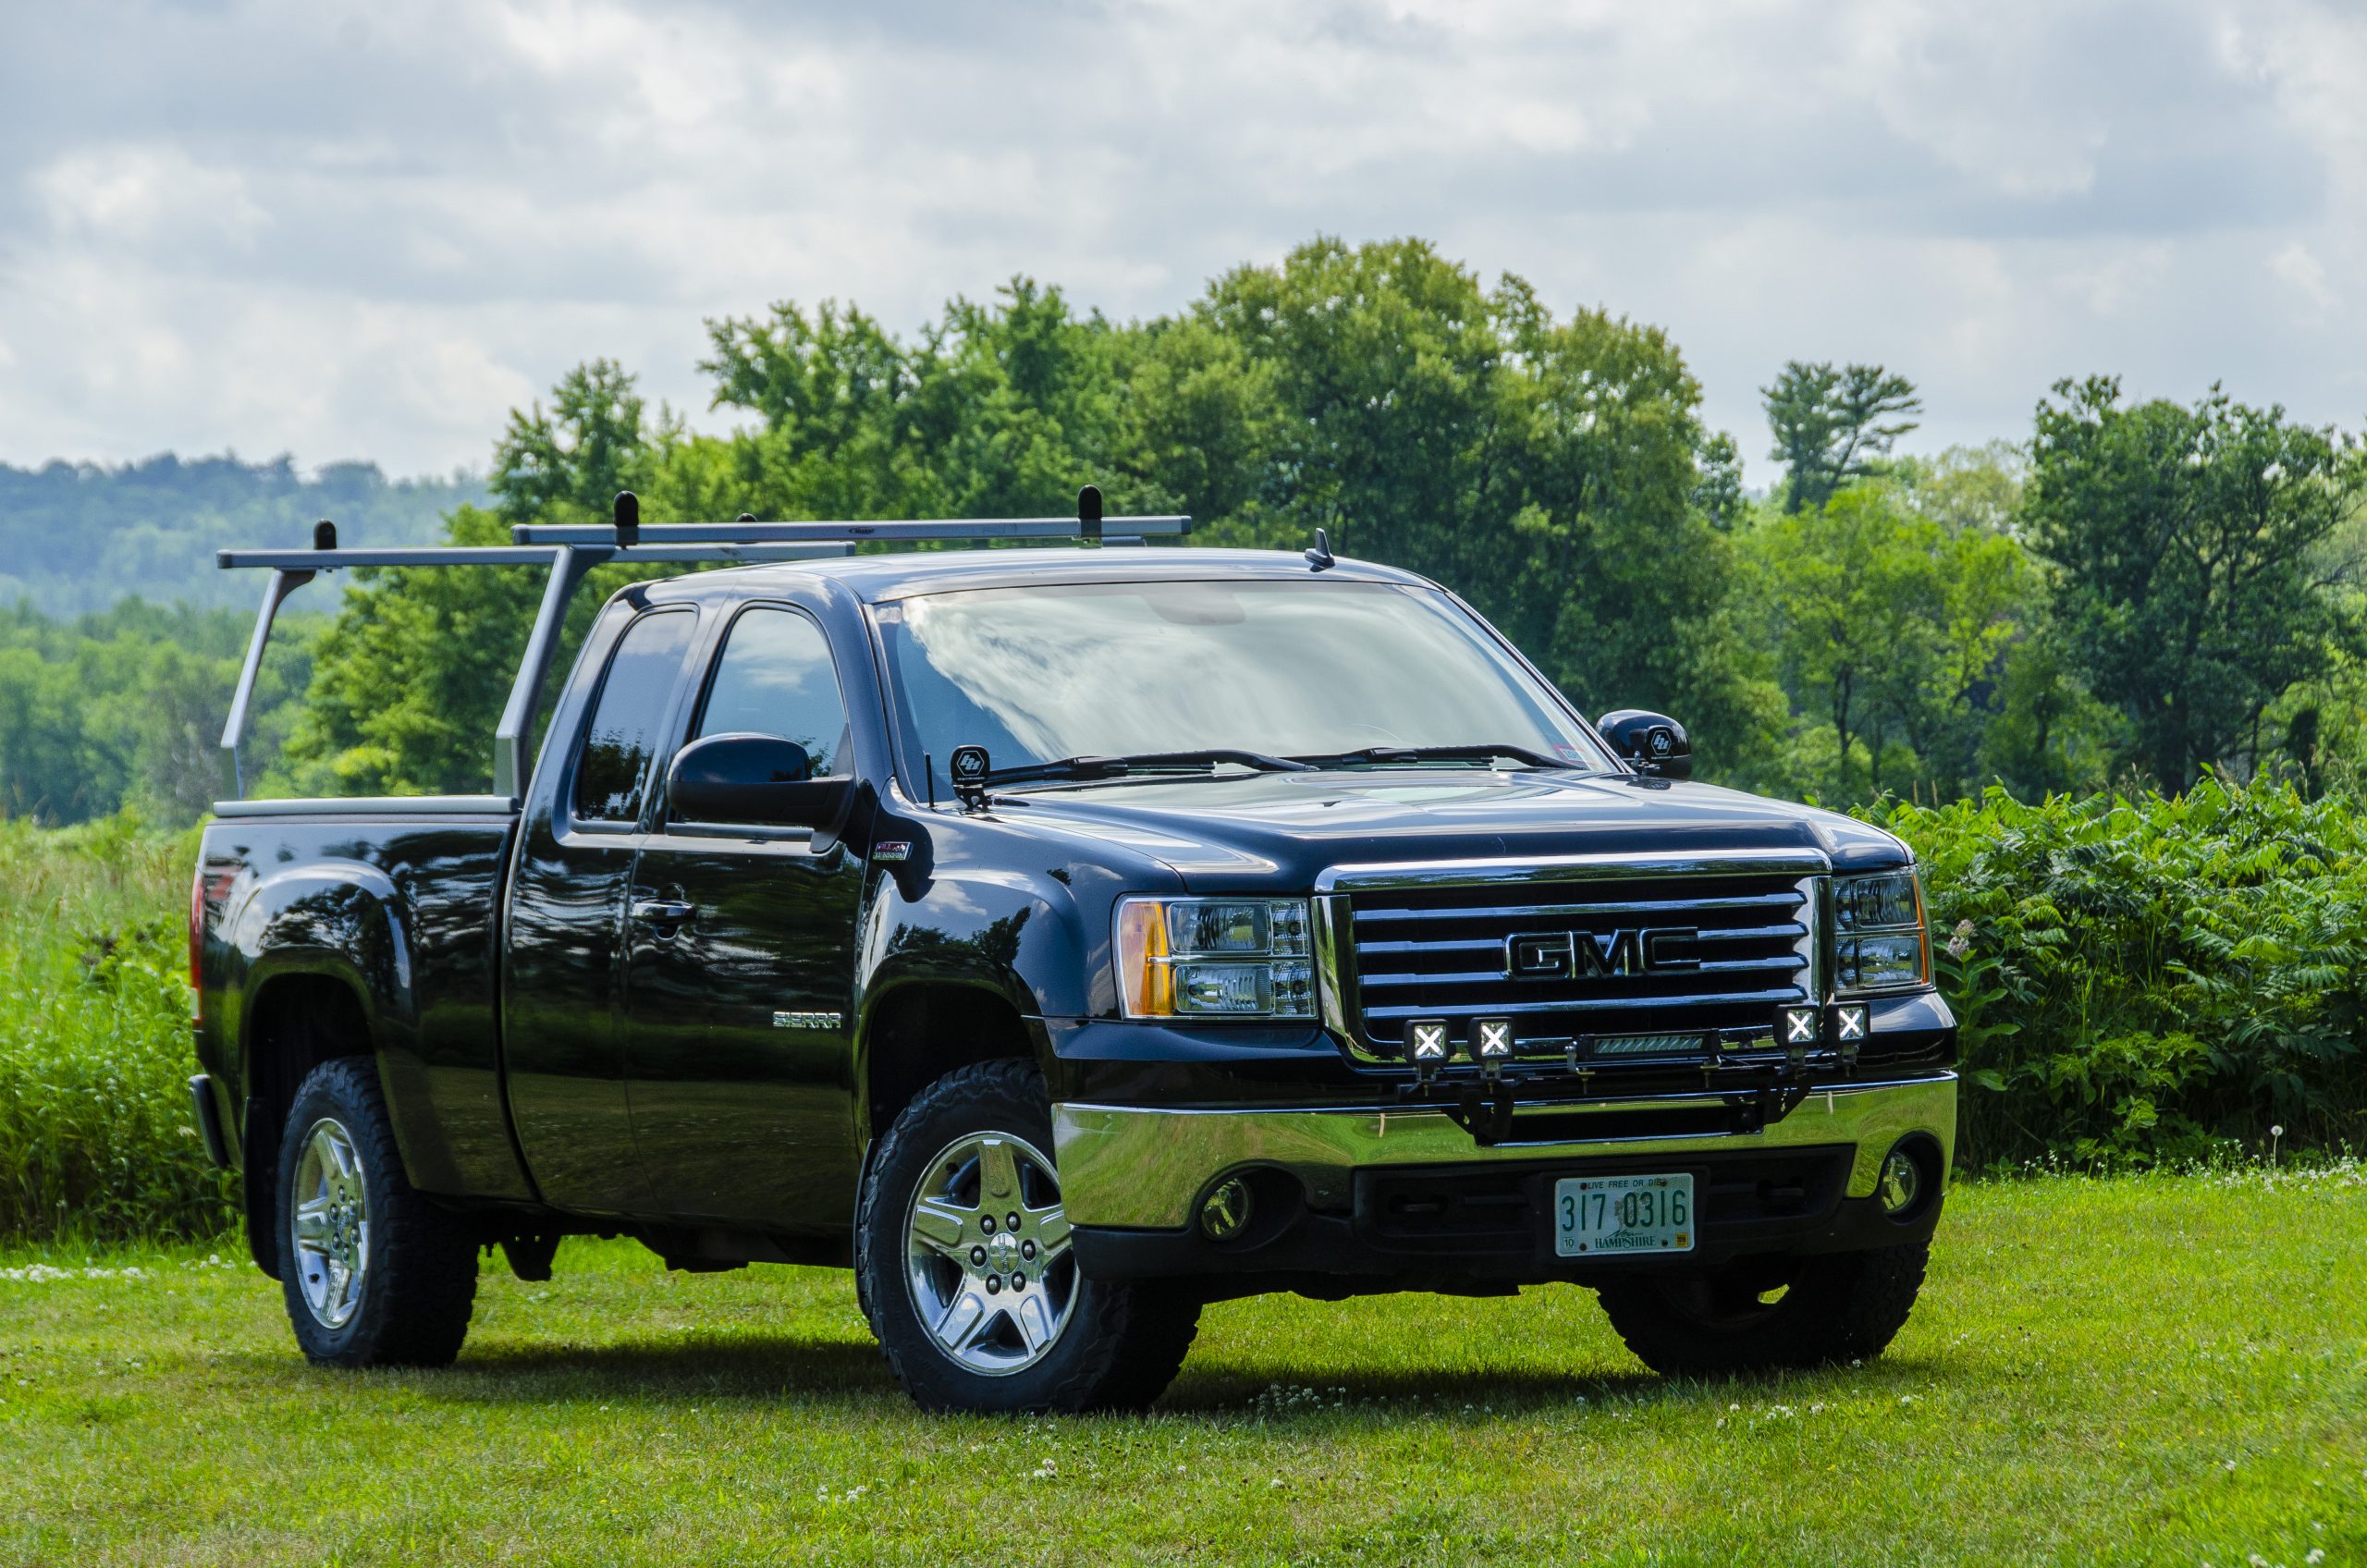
(1487, 1116)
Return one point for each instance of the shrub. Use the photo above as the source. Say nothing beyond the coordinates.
(96, 1136)
(2146, 978)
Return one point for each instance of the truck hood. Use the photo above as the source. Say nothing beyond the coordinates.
(1286, 827)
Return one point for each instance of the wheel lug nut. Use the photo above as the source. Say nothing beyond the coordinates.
(994, 1284)
(1027, 1249)
(1018, 1281)
(1014, 1221)
(987, 1223)
(978, 1256)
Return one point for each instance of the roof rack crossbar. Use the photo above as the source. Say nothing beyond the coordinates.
(539, 554)
(984, 529)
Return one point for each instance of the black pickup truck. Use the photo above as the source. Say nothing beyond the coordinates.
(1063, 939)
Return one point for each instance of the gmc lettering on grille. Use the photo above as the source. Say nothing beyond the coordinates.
(1574, 955)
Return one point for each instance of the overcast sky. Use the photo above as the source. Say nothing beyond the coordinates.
(367, 232)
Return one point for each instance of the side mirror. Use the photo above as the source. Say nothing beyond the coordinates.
(1654, 743)
(760, 780)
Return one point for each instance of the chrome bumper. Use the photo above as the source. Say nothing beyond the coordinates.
(1138, 1168)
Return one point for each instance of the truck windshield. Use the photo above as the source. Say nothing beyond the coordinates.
(1036, 674)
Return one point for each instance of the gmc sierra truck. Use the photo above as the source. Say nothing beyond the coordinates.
(1063, 939)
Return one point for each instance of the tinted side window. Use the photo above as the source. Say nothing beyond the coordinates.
(776, 678)
(609, 779)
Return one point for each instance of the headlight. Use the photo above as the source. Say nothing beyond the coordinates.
(1879, 940)
(1215, 958)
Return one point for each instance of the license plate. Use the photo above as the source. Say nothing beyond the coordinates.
(1621, 1213)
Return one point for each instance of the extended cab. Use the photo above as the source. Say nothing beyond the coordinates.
(1063, 938)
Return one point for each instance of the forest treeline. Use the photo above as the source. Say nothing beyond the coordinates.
(77, 537)
(2127, 592)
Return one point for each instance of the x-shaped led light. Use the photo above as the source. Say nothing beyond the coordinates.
(1426, 1041)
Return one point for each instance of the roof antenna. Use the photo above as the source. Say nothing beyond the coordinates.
(1319, 558)
(324, 535)
(1088, 513)
(628, 518)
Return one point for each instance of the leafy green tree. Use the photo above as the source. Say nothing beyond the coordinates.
(594, 441)
(2048, 735)
(1860, 607)
(1965, 488)
(125, 707)
(1831, 425)
(999, 410)
(2191, 546)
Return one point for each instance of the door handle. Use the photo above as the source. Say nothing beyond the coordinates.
(663, 911)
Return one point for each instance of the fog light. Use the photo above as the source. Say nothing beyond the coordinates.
(1225, 1212)
(1800, 1026)
(1491, 1039)
(1850, 1024)
(1901, 1182)
(1426, 1045)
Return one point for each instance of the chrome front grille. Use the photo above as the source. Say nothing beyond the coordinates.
(1623, 965)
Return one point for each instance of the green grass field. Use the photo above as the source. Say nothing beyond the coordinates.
(2155, 1370)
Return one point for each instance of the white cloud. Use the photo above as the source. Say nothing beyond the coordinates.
(2296, 266)
(350, 231)
(137, 197)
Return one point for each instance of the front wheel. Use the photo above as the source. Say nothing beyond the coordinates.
(962, 1249)
(1762, 1314)
(375, 1274)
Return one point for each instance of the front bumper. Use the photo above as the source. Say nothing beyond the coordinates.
(1397, 1190)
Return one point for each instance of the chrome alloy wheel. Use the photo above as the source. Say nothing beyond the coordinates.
(330, 1210)
(987, 1253)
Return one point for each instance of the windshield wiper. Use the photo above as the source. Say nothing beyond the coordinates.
(1078, 769)
(1385, 756)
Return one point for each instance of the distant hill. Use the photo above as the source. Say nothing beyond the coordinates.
(77, 537)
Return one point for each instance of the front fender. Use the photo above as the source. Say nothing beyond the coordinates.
(1018, 937)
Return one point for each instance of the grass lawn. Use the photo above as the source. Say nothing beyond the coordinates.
(2157, 1369)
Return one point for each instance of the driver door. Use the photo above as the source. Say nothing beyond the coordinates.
(740, 964)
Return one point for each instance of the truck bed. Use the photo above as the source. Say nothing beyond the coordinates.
(322, 914)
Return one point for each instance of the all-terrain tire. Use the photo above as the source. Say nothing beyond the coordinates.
(411, 1299)
(1121, 1343)
(1840, 1307)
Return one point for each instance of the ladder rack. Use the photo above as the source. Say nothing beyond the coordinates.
(571, 550)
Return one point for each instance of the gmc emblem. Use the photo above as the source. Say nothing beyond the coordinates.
(1574, 955)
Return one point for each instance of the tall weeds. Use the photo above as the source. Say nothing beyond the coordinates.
(96, 1136)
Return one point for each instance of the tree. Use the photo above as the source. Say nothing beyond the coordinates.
(2189, 543)
(1555, 470)
(1832, 424)
(594, 442)
(1860, 607)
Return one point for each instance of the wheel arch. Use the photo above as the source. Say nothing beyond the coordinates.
(917, 1032)
(296, 1020)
